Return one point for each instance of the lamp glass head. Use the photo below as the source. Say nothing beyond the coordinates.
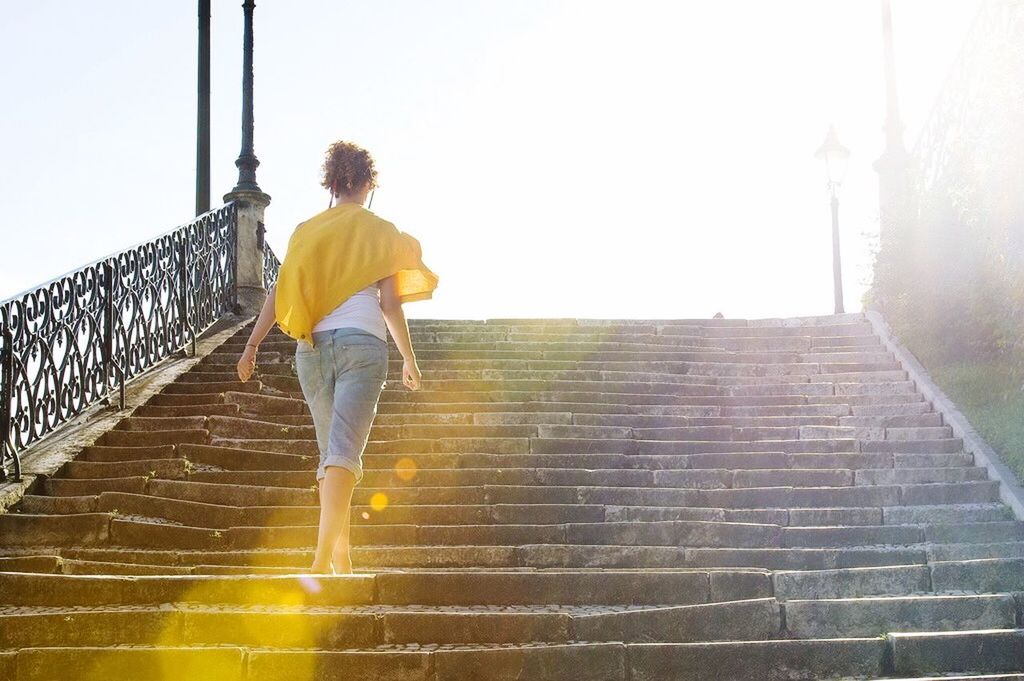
(835, 156)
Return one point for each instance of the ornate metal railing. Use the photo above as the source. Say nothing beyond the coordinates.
(271, 266)
(979, 93)
(67, 344)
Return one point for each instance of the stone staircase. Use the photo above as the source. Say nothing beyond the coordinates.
(585, 500)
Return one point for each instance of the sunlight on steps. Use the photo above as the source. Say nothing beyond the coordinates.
(564, 499)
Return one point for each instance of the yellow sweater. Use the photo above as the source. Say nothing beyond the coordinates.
(338, 252)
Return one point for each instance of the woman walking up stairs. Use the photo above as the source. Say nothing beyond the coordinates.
(344, 278)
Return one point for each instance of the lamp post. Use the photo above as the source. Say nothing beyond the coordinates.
(835, 157)
(250, 199)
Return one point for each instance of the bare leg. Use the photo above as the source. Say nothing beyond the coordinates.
(341, 560)
(335, 507)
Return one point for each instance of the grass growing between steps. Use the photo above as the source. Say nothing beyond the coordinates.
(991, 395)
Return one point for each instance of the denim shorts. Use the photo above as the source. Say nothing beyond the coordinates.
(342, 375)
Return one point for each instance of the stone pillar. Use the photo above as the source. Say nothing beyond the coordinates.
(249, 249)
(251, 200)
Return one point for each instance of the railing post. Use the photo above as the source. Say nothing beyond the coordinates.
(250, 292)
(249, 198)
(107, 344)
(7, 396)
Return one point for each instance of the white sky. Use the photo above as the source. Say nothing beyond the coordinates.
(555, 158)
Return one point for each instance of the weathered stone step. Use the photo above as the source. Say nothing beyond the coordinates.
(630, 420)
(171, 468)
(469, 458)
(407, 473)
(187, 399)
(896, 476)
(218, 516)
(993, 650)
(876, 616)
(101, 528)
(428, 397)
(424, 587)
(525, 555)
(65, 590)
(162, 423)
(642, 384)
(210, 387)
(765, 497)
(996, 575)
(153, 410)
(550, 418)
(757, 660)
(377, 624)
(390, 662)
(615, 372)
(755, 497)
(986, 575)
(126, 453)
(796, 517)
(129, 438)
(974, 550)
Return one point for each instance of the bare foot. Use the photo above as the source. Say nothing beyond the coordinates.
(342, 563)
(321, 569)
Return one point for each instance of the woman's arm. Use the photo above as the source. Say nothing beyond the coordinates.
(266, 320)
(247, 362)
(394, 315)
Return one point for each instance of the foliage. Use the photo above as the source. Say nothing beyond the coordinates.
(949, 274)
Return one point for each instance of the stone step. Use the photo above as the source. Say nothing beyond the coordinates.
(407, 472)
(187, 399)
(303, 493)
(429, 396)
(876, 616)
(153, 410)
(129, 438)
(349, 626)
(538, 556)
(390, 662)
(975, 550)
(117, 453)
(173, 468)
(993, 650)
(425, 587)
(757, 660)
(162, 423)
(687, 488)
(613, 372)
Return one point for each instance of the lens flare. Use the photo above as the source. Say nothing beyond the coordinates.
(310, 583)
(405, 468)
(379, 501)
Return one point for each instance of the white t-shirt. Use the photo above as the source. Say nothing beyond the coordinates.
(361, 310)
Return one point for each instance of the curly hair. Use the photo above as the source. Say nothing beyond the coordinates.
(347, 167)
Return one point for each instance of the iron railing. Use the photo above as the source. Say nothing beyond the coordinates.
(67, 344)
(271, 266)
(978, 102)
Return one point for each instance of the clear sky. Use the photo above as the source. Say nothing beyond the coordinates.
(555, 158)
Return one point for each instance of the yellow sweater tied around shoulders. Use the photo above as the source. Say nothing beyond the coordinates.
(335, 254)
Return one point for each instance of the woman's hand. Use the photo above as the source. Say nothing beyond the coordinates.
(411, 374)
(247, 363)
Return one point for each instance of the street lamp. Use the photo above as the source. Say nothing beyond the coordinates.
(835, 156)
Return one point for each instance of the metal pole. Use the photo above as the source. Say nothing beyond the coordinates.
(247, 161)
(203, 112)
(837, 271)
